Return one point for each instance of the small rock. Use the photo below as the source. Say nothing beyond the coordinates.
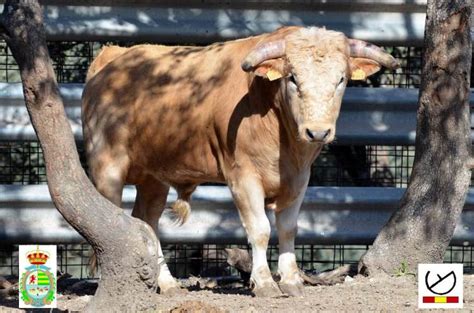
(407, 304)
(348, 279)
(211, 284)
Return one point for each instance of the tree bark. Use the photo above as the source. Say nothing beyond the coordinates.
(420, 231)
(126, 247)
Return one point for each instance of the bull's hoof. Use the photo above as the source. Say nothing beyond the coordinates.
(270, 290)
(293, 290)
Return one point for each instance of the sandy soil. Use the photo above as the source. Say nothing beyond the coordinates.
(388, 294)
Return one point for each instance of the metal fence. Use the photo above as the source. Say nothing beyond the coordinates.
(21, 163)
(210, 260)
(71, 59)
(204, 21)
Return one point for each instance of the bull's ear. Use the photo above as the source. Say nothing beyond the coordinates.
(362, 68)
(272, 69)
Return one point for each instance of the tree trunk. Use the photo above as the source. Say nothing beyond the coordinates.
(126, 247)
(420, 231)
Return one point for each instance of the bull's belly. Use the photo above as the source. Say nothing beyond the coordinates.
(174, 174)
(186, 177)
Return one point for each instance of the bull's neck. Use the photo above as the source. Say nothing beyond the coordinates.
(275, 116)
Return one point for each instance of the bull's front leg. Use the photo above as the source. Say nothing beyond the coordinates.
(291, 282)
(249, 197)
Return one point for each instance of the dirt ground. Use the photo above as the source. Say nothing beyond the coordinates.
(388, 294)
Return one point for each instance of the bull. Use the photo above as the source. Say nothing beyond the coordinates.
(252, 113)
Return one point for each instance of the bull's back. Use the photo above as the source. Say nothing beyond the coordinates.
(158, 105)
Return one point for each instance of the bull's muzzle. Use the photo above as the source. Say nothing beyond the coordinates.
(317, 133)
(321, 136)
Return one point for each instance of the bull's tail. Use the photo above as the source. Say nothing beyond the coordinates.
(93, 266)
(181, 210)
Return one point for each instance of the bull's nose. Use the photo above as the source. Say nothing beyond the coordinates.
(317, 135)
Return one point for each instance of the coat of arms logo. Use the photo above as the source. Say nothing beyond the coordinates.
(37, 285)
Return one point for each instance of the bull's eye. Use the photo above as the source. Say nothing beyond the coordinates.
(341, 81)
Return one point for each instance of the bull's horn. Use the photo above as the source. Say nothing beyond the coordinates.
(367, 50)
(263, 52)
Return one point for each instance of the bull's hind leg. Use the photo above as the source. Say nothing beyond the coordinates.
(149, 205)
(249, 198)
(291, 282)
(108, 175)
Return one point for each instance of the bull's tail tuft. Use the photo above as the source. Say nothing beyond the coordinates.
(181, 210)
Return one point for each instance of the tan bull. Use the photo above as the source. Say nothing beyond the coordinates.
(252, 113)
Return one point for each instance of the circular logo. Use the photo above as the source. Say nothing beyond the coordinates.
(440, 285)
(37, 287)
